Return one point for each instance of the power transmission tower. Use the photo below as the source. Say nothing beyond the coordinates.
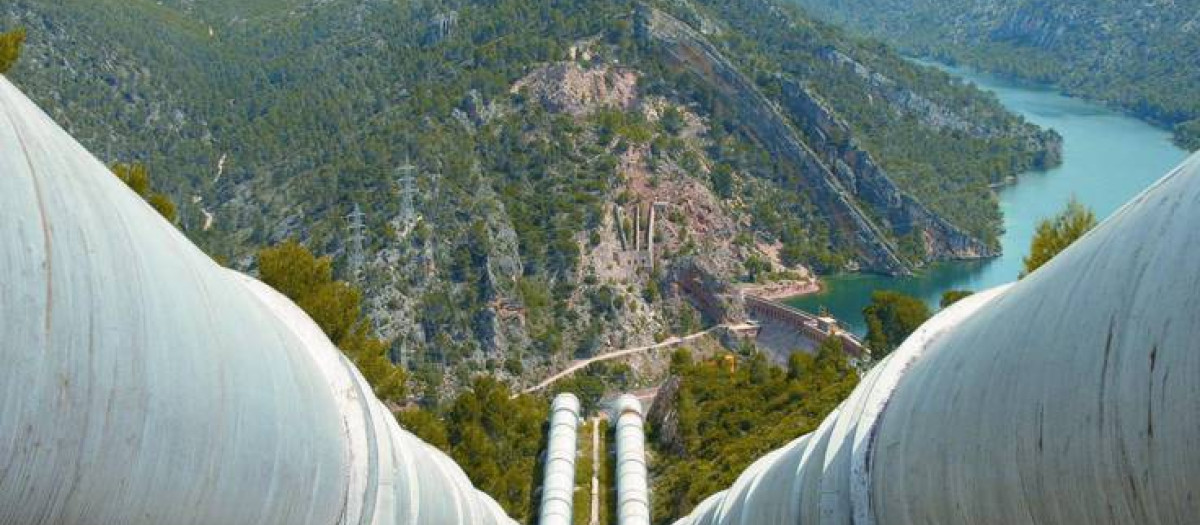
(435, 180)
(407, 184)
(357, 227)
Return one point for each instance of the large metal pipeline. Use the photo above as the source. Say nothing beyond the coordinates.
(144, 384)
(558, 485)
(633, 493)
(1072, 396)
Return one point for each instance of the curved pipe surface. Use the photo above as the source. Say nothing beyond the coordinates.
(633, 494)
(1072, 396)
(145, 384)
(558, 485)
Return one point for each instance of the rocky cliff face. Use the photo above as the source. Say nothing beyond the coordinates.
(851, 188)
(1131, 53)
(572, 89)
(532, 188)
(664, 418)
(909, 102)
(897, 212)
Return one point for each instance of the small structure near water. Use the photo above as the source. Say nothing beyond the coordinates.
(813, 328)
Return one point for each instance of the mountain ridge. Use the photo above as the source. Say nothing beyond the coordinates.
(1137, 56)
(524, 240)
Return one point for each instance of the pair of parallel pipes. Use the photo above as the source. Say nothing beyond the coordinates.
(558, 485)
(144, 384)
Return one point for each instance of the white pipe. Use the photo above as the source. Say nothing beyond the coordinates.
(637, 227)
(144, 384)
(650, 236)
(558, 485)
(633, 494)
(1069, 397)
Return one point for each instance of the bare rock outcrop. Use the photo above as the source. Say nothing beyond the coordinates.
(897, 211)
(567, 87)
(664, 418)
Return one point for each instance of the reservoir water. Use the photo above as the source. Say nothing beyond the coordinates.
(1107, 159)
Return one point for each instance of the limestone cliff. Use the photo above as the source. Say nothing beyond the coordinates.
(852, 190)
(899, 213)
(513, 191)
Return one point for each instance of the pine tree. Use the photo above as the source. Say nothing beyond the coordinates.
(891, 318)
(336, 307)
(137, 177)
(10, 48)
(1057, 233)
(953, 296)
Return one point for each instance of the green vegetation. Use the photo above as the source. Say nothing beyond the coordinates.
(495, 437)
(1187, 135)
(283, 121)
(1123, 52)
(948, 167)
(757, 269)
(490, 433)
(582, 499)
(950, 297)
(335, 306)
(10, 49)
(891, 318)
(1055, 234)
(583, 475)
(727, 419)
(137, 177)
(594, 381)
(505, 187)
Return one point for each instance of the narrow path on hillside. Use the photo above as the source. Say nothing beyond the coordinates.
(583, 363)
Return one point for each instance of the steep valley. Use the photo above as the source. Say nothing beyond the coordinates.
(1142, 57)
(517, 184)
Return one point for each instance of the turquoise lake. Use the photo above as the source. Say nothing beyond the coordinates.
(1108, 158)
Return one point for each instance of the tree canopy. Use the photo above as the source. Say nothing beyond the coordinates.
(494, 436)
(950, 297)
(505, 184)
(1139, 61)
(308, 280)
(1057, 233)
(137, 177)
(891, 318)
(10, 48)
(727, 418)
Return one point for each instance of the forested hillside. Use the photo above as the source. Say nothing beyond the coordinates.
(541, 136)
(715, 418)
(1138, 55)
